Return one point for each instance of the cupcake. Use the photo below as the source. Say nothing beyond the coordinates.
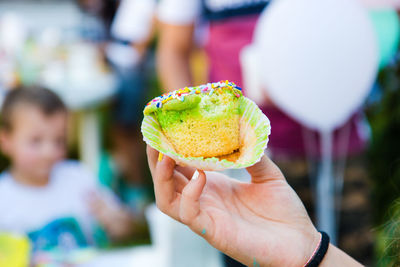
(200, 121)
(206, 126)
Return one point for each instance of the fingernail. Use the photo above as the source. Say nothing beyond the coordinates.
(195, 175)
(160, 156)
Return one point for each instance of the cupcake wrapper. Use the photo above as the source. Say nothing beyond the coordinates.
(255, 129)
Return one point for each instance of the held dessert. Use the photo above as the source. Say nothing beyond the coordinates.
(211, 126)
(200, 121)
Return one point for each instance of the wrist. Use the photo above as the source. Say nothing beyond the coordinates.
(319, 252)
(304, 245)
(310, 245)
(315, 251)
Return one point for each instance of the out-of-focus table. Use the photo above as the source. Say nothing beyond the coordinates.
(91, 257)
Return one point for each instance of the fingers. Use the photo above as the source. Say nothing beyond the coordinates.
(190, 205)
(100, 210)
(117, 222)
(190, 212)
(96, 203)
(180, 181)
(181, 174)
(186, 171)
(167, 198)
(176, 195)
(265, 170)
(152, 157)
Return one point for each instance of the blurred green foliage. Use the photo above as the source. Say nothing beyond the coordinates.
(384, 152)
(388, 239)
(384, 165)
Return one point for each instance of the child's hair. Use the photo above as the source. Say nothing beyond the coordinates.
(45, 100)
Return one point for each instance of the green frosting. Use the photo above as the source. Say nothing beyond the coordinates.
(189, 102)
(149, 109)
(210, 107)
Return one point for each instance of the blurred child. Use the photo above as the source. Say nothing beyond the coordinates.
(54, 201)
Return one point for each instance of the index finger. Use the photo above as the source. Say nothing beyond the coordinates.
(152, 156)
(167, 199)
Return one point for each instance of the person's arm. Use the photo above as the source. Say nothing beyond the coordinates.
(173, 53)
(134, 22)
(262, 223)
(142, 45)
(116, 219)
(336, 257)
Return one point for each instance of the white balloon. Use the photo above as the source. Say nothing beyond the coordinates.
(381, 3)
(318, 59)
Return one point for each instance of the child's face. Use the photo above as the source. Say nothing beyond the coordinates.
(36, 141)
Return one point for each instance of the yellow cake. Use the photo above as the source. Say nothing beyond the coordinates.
(201, 121)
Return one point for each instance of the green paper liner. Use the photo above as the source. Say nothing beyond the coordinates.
(255, 129)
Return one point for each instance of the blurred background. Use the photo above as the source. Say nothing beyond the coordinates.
(106, 59)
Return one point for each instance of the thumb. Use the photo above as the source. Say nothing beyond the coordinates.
(265, 170)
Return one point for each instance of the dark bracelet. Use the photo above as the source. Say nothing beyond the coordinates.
(319, 252)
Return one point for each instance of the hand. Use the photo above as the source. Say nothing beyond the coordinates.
(262, 223)
(117, 221)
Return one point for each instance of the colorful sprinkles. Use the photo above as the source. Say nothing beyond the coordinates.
(209, 88)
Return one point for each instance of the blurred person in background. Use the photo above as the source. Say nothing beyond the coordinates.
(230, 28)
(127, 27)
(52, 200)
(131, 34)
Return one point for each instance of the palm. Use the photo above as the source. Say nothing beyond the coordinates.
(244, 213)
